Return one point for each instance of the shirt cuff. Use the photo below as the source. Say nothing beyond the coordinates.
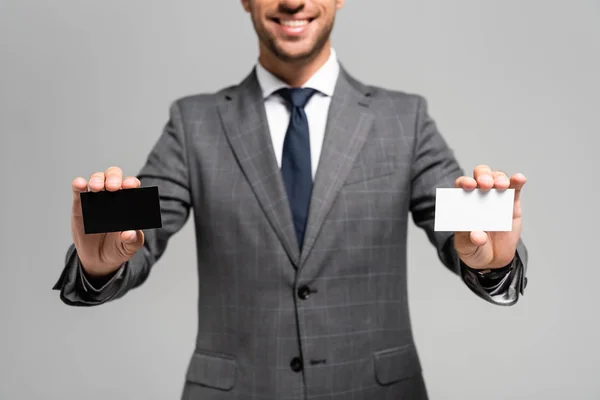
(501, 286)
(492, 279)
(100, 290)
(98, 285)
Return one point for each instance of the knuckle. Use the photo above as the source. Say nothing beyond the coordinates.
(97, 178)
(481, 169)
(133, 180)
(121, 249)
(113, 168)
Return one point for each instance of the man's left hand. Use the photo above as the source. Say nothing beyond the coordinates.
(489, 250)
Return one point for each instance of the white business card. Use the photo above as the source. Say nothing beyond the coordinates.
(460, 210)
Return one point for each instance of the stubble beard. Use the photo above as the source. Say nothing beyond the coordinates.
(271, 44)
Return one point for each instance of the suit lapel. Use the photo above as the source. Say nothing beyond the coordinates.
(348, 125)
(243, 115)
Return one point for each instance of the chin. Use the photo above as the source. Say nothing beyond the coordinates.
(295, 52)
(295, 55)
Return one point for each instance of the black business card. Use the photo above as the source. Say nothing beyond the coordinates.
(123, 210)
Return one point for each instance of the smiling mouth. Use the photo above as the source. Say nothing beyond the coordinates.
(293, 23)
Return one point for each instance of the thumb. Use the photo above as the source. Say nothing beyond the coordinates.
(131, 242)
(474, 248)
(467, 243)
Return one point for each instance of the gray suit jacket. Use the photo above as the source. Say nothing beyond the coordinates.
(330, 321)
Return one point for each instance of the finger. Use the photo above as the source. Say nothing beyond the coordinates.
(131, 182)
(78, 185)
(478, 238)
(465, 182)
(128, 236)
(96, 183)
(114, 179)
(473, 247)
(483, 176)
(463, 244)
(517, 181)
(501, 180)
(131, 241)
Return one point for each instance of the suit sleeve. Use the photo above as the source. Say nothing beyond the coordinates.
(166, 167)
(435, 166)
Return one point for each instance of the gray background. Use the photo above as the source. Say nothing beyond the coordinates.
(87, 84)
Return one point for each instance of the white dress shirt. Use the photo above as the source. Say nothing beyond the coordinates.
(317, 108)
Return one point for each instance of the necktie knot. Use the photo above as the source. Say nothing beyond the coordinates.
(297, 97)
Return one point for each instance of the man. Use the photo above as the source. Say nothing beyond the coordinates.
(301, 180)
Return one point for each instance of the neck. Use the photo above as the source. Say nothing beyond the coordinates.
(294, 73)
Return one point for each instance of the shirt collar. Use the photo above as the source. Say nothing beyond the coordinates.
(323, 80)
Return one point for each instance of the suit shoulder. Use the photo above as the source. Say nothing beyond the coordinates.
(201, 100)
(198, 104)
(382, 94)
(397, 102)
(399, 97)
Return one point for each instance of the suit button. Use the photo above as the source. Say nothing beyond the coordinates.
(304, 292)
(296, 364)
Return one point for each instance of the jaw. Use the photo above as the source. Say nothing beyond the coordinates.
(293, 39)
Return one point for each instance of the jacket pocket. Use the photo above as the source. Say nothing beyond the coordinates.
(216, 371)
(395, 364)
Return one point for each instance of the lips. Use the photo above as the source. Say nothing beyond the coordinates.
(294, 23)
(293, 27)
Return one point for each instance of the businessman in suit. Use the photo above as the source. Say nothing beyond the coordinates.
(301, 179)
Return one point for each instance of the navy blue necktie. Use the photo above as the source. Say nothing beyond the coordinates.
(295, 161)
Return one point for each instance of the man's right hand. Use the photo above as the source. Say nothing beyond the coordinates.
(101, 254)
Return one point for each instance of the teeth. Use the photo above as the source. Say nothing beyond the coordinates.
(294, 23)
